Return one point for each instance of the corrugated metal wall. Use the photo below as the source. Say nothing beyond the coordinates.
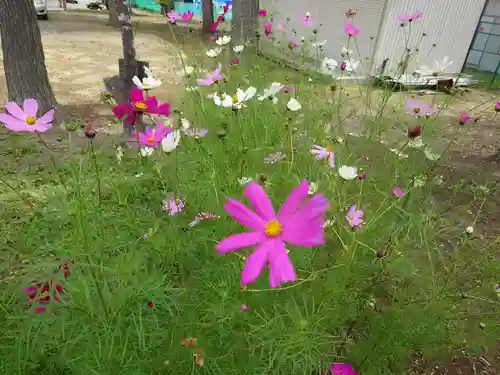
(331, 14)
(450, 24)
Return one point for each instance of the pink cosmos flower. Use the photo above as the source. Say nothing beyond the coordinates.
(464, 118)
(212, 77)
(262, 12)
(187, 16)
(268, 28)
(324, 153)
(354, 217)
(173, 16)
(244, 307)
(140, 105)
(398, 192)
(415, 107)
(173, 206)
(409, 17)
(497, 106)
(281, 28)
(152, 137)
(235, 62)
(307, 20)
(25, 120)
(351, 30)
(342, 369)
(298, 222)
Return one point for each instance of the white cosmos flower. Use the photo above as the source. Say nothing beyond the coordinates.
(439, 67)
(185, 123)
(351, 65)
(270, 93)
(171, 141)
(345, 51)
(213, 52)
(328, 66)
(119, 153)
(238, 100)
(186, 71)
(293, 105)
(416, 143)
(244, 180)
(469, 230)
(319, 44)
(147, 83)
(348, 173)
(146, 151)
(238, 48)
(223, 40)
(431, 155)
(399, 154)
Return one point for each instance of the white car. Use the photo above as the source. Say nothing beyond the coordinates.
(41, 9)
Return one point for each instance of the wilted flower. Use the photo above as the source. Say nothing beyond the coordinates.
(415, 131)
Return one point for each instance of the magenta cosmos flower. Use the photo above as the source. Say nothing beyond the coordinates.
(152, 137)
(398, 192)
(351, 30)
(298, 222)
(140, 105)
(342, 369)
(212, 77)
(24, 119)
(173, 16)
(187, 16)
(464, 118)
(415, 107)
(354, 217)
(324, 153)
(268, 28)
(262, 12)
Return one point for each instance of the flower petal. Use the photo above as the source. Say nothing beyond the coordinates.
(260, 201)
(257, 261)
(136, 95)
(280, 267)
(238, 241)
(16, 111)
(304, 231)
(46, 118)
(12, 123)
(294, 200)
(30, 107)
(243, 215)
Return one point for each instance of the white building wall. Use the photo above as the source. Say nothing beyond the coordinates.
(449, 24)
(331, 15)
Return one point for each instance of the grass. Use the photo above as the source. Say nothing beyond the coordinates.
(143, 285)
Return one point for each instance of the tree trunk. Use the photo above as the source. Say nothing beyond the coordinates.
(23, 56)
(245, 16)
(113, 13)
(208, 16)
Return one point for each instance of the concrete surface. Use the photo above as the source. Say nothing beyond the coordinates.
(54, 4)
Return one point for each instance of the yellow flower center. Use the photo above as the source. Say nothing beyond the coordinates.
(416, 110)
(351, 218)
(329, 149)
(141, 106)
(30, 120)
(273, 228)
(235, 99)
(151, 138)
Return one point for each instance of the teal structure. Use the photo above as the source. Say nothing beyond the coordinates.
(181, 7)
